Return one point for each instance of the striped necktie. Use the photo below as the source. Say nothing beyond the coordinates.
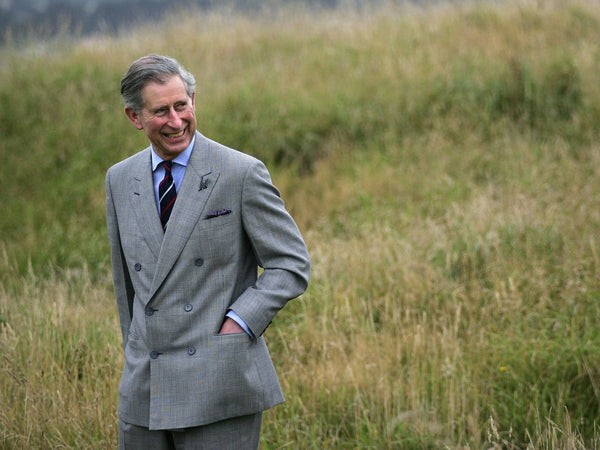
(166, 194)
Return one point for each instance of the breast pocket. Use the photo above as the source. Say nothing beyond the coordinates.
(220, 236)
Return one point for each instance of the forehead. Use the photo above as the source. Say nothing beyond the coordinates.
(172, 91)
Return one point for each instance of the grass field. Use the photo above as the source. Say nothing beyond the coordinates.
(443, 165)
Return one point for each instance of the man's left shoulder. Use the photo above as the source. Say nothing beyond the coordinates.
(227, 155)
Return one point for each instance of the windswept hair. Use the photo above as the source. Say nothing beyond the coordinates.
(152, 68)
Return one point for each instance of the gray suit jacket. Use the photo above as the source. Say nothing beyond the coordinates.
(173, 289)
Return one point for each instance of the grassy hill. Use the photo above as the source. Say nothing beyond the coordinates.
(443, 165)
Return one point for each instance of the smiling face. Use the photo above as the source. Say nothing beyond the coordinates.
(168, 117)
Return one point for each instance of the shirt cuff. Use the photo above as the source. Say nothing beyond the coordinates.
(232, 315)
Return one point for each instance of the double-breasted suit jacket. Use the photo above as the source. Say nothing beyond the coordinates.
(174, 288)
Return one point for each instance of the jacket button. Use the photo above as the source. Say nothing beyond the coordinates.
(153, 354)
(191, 351)
(137, 267)
(199, 262)
(150, 311)
(188, 307)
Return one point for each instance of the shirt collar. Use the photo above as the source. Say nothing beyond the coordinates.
(182, 159)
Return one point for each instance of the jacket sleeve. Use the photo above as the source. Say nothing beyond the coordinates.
(278, 247)
(123, 287)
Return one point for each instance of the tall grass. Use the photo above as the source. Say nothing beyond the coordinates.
(442, 164)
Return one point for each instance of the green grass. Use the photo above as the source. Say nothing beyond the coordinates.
(442, 164)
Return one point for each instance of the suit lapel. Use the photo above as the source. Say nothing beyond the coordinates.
(196, 187)
(143, 201)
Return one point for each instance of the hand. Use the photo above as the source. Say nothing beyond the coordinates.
(230, 326)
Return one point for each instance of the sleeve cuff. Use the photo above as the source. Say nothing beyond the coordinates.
(232, 315)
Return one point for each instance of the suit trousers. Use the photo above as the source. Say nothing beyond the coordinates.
(237, 433)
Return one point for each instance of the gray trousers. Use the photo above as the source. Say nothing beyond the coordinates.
(237, 433)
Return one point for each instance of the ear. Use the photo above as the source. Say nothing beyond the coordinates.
(193, 100)
(134, 118)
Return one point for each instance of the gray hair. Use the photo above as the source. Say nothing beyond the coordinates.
(152, 68)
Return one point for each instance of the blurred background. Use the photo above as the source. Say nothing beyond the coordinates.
(441, 159)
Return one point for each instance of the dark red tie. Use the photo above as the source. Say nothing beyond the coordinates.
(166, 194)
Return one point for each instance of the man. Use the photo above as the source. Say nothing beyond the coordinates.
(190, 221)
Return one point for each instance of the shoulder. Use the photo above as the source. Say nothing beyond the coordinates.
(236, 155)
(130, 164)
(224, 159)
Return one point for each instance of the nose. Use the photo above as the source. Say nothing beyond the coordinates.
(174, 119)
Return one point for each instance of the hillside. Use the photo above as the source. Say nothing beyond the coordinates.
(42, 19)
(443, 166)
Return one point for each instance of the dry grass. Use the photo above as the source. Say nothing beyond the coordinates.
(442, 165)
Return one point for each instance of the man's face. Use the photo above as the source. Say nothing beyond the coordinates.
(168, 117)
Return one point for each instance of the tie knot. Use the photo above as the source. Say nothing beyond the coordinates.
(167, 165)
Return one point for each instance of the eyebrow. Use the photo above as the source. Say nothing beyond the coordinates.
(167, 107)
